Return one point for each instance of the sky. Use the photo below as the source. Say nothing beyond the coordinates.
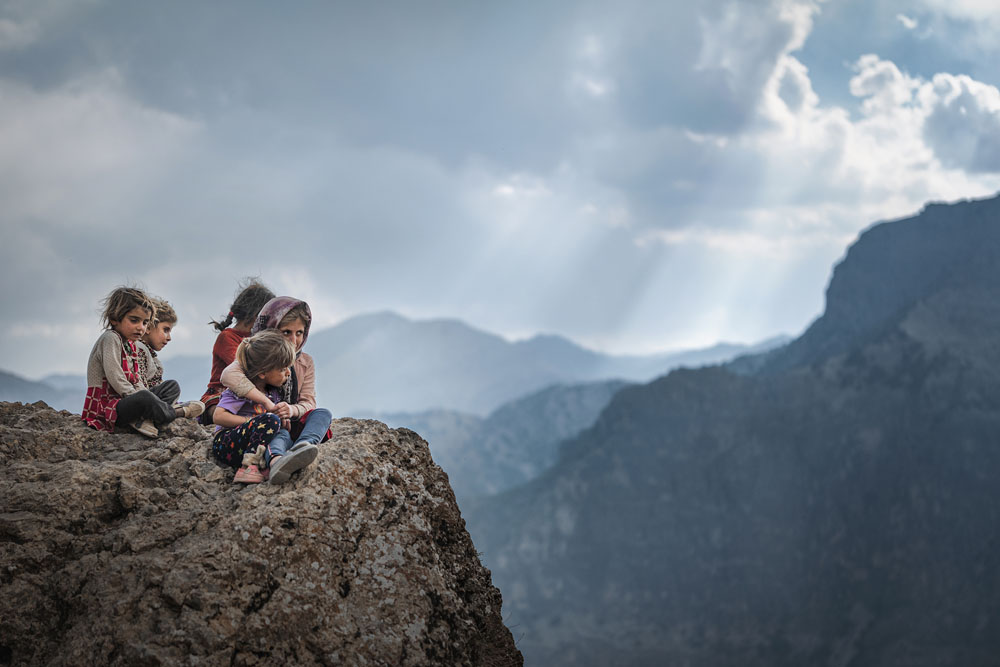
(635, 176)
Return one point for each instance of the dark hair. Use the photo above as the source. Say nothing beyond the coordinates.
(264, 352)
(251, 295)
(121, 301)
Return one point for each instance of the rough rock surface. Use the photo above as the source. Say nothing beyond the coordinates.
(119, 550)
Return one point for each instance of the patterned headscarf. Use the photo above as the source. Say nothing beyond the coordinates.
(269, 318)
(275, 309)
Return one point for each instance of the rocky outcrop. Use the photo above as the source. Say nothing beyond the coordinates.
(120, 550)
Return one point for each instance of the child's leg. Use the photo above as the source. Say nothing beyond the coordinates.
(143, 404)
(281, 443)
(229, 444)
(314, 429)
(168, 391)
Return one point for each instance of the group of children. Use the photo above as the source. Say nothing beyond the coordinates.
(261, 393)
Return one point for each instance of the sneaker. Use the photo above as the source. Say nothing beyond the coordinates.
(189, 409)
(146, 427)
(248, 475)
(300, 444)
(283, 468)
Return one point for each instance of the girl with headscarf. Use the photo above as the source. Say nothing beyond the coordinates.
(306, 423)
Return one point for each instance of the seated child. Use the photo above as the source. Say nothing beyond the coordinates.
(248, 302)
(305, 423)
(151, 370)
(116, 393)
(246, 432)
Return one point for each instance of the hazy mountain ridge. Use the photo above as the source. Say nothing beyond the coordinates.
(838, 508)
(515, 444)
(385, 363)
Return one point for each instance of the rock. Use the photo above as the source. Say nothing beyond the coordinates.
(120, 550)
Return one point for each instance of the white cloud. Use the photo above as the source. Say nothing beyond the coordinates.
(963, 122)
(908, 23)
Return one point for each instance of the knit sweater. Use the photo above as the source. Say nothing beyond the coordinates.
(150, 368)
(106, 362)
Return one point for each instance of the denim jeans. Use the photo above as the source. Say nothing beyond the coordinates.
(313, 430)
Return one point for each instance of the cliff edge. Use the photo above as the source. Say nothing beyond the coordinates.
(119, 550)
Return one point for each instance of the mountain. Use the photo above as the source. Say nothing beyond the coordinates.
(117, 551)
(16, 388)
(515, 443)
(384, 363)
(833, 503)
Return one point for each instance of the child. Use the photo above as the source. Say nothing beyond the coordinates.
(248, 302)
(305, 423)
(116, 394)
(150, 369)
(245, 431)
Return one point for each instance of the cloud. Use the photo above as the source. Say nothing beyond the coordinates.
(544, 169)
(963, 122)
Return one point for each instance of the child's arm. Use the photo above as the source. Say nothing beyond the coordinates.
(234, 378)
(111, 361)
(307, 386)
(227, 419)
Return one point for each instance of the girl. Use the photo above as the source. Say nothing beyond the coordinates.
(157, 335)
(116, 395)
(245, 431)
(248, 302)
(296, 406)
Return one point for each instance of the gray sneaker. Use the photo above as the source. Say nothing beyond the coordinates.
(283, 468)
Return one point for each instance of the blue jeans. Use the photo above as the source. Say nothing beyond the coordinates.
(313, 431)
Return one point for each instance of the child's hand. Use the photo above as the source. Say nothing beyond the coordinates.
(286, 424)
(282, 409)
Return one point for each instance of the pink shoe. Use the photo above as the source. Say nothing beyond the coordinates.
(248, 475)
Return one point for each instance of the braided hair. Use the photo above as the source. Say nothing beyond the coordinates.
(250, 298)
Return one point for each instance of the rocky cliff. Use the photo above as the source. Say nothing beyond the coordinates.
(122, 551)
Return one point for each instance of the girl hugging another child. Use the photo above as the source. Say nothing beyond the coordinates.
(117, 393)
(295, 401)
(248, 435)
(251, 298)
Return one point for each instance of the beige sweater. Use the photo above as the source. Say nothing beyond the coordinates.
(305, 372)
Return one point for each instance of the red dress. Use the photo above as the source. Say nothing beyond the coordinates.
(100, 406)
(223, 354)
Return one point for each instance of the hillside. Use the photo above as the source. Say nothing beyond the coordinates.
(838, 507)
(515, 443)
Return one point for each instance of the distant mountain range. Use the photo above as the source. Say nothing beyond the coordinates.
(515, 443)
(386, 363)
(833, 502)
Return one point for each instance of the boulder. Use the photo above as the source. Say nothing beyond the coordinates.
(121, 550)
